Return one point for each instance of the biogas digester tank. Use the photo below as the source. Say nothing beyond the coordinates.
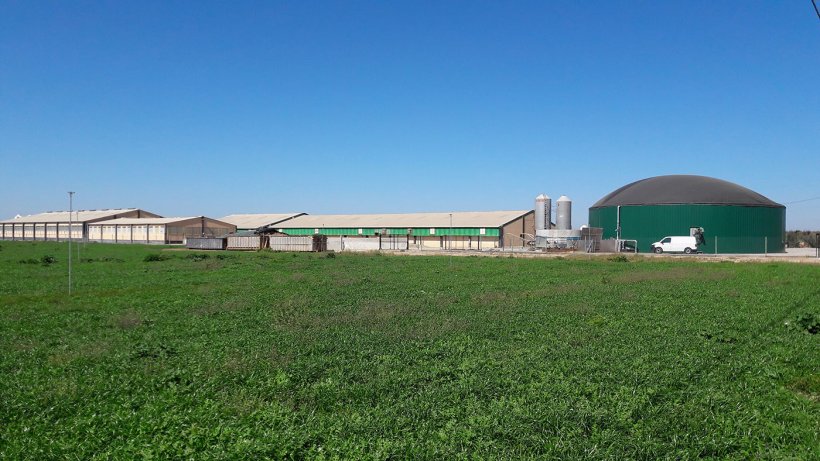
(735, 219)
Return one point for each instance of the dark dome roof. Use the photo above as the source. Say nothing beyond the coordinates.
(683, 189)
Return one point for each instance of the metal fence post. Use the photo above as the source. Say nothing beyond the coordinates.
(766, 246)
(716, 244)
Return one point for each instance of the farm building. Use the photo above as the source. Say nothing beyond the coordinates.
(54, 225)
(251, 222)
(734, 219)
(457, 230)
(157, 230)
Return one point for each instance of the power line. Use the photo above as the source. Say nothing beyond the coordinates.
(801, 201)
(815, 8)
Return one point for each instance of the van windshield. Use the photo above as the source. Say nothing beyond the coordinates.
(666, 240)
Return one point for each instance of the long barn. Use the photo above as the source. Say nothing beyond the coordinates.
(62, 225)
(481, 230)
(157, 230)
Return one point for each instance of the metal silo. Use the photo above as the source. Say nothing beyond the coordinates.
(543, 205)
(563, 213)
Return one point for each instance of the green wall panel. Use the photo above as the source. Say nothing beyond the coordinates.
(738, 229)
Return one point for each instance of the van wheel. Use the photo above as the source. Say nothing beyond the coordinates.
(688, 251)
(658, 250)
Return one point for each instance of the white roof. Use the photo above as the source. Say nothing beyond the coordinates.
(62, 216)
(440, 220)
(255, 221)
(142, 221)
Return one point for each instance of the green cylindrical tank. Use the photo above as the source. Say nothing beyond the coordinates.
(734, 219)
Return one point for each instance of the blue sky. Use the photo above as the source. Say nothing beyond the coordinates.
(190, 108)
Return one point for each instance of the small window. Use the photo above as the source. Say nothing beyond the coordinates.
(666, 240)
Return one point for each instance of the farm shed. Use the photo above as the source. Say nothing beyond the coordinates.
(157, 230)
(480, 230)
(734, 219)
(251, 222)
(54, 225)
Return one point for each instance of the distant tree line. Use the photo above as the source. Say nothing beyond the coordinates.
(805, 239)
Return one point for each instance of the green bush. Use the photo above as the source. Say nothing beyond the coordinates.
(808, 322)
(154, 257)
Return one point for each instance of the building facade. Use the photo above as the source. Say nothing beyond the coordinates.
(62, 225)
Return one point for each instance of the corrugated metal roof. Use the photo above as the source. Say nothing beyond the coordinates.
(254, 221)
(62, 216)
(155, 221)
(441, 220)
(683, 189)
(142, 221)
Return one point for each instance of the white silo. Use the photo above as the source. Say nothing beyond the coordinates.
(563, 213)
(543, 205)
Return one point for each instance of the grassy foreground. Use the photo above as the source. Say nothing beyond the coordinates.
(172, 354)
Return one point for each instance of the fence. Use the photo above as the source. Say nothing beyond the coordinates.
(245, 242)
(741, 245)
(205, 243)
(298, 243)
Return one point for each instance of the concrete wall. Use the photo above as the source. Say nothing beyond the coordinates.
(360, 244)
(94, 233)
(39, 231)
(371, 243)
(127, 233)
(156, 233)
(291, 243)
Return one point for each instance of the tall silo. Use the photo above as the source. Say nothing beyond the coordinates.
(563, 213)
(543, 205)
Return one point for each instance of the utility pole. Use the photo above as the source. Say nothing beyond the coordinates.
(450, 240)
(70, 228)
(450, 243)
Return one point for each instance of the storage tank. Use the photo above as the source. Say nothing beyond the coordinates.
(563, 213)
(543, 205)
(737, 219)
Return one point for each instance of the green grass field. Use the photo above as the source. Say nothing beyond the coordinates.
(173, 354)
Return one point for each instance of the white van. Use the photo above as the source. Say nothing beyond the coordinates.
(686, 245)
